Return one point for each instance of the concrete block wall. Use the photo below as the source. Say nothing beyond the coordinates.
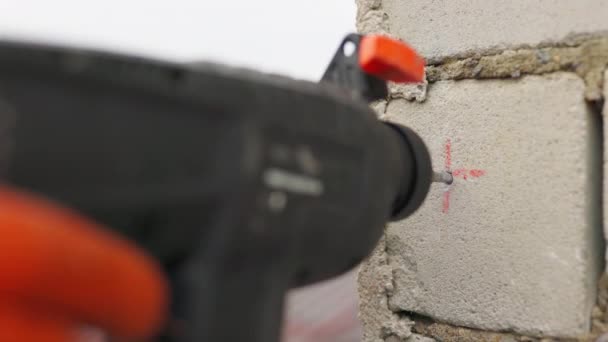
(514, 249)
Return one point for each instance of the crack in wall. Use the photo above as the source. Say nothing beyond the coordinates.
(443, 332)
(587, 56)
(595, 207)
(588, 59)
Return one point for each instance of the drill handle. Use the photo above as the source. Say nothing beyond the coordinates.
(222, 304)
(364, 63)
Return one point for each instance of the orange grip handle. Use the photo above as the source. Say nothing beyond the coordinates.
(390, 59)
(18, 324)
(52, 258)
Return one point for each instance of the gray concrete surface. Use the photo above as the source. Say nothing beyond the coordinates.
(460, 27)
(517, 248)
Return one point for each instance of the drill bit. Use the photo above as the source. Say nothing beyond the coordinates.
(443, 177)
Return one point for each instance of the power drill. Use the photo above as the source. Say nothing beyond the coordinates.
(242, 185)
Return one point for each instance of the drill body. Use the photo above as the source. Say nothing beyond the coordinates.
(242, 185)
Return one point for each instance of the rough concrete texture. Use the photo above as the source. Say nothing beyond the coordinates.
(516, 248)
(507, 273)
(448, 333)
(599, 316)
(584, 54)
(379, 323)
(372, 19)
(587, 57)
(460, 28)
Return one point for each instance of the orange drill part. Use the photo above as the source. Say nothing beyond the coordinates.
(59, 263)
(21, 324)
(390, 60)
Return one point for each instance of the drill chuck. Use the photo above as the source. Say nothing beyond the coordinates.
(416, 181)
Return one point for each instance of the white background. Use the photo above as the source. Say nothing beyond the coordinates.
(293, 37)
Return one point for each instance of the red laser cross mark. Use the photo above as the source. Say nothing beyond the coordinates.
(465, 174)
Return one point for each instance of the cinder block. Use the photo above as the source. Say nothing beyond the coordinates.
(456, 27)
(513, 243)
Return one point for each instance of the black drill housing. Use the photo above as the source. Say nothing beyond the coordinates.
(242, 185)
